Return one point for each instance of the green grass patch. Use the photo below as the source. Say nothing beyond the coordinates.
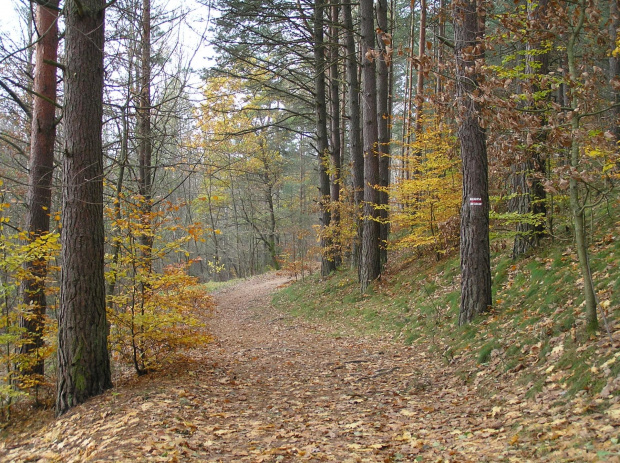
(484, 355)
(213, 286)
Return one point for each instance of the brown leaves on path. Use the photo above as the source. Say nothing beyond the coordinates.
(277, 389)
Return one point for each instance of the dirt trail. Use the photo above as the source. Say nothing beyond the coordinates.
(277, 389)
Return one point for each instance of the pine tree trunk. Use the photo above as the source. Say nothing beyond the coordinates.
(439, 48)
(528, 198)
(475, 250)
(355, 131)
(370, 263)
(116, 250)
(327, 261)
(336, 147)
(520, 203)
(83, 361)
(39, 199)
(384, 120)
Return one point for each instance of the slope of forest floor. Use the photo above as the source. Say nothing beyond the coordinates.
(532, 348)
(276, 388)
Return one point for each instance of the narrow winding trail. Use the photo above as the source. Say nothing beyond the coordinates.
(291, 389)
(273, 388)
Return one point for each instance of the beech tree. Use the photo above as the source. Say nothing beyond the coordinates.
(83, 360)
(469, 22)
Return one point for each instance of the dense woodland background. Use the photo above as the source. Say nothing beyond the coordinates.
(345, 133)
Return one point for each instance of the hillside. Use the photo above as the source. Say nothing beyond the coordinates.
(532, 349)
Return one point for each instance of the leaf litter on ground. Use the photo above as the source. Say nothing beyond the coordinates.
(278, 389)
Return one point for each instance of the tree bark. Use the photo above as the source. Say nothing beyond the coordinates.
(355, 130)
(475, 251)
(370, 263)
(327, 262)
(384, 122)
(39, 197)
(336, 147)
(83, 361)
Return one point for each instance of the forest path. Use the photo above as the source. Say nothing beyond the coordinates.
(273, 388)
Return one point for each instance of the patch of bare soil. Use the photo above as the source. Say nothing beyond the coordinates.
(277, 389)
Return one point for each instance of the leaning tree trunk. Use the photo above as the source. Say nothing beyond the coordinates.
(328, 264)
(39, 199)
(577, 208)
(83, 361)
(475, 250)
(370, 262)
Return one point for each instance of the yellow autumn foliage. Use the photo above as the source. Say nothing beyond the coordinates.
(169, 317)
(426, 195)
(153, 314)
